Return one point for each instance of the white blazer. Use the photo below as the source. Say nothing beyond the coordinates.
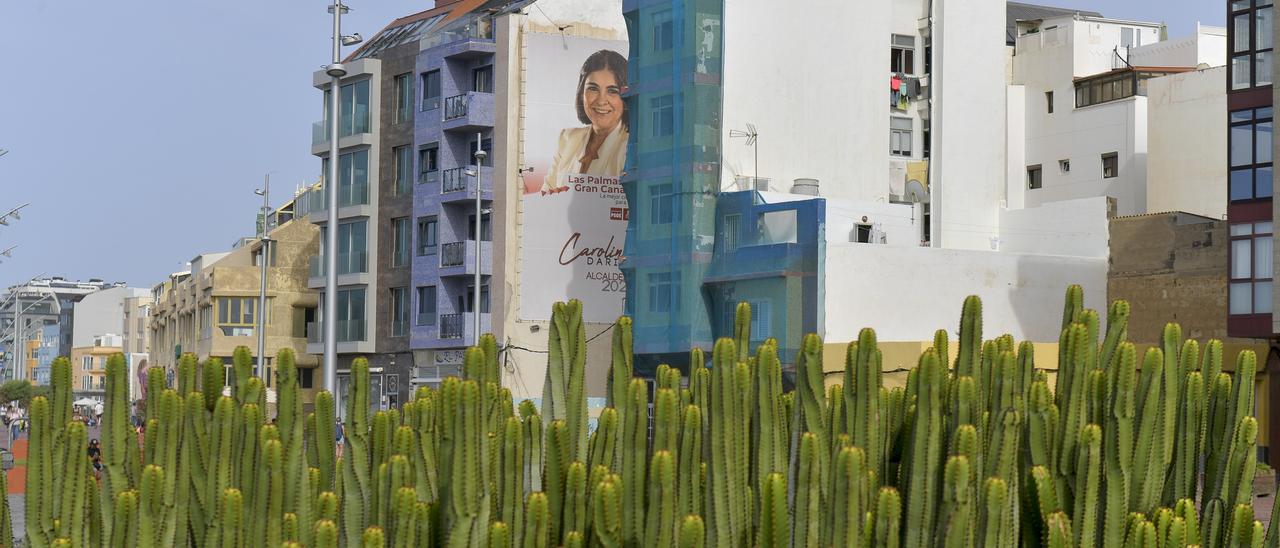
(573, 144)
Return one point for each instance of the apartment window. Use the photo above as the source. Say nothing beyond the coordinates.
(1249, 148)
(404, 170)
(206, 321)
(661, 204)
(486, 145)
(1035, 178)
(729, 232)
(662, 116)
(86, 382)
(1048, 101)
(352, 247)
(1064, 166)
(428, 163)
(431, 90)
(427, 232)
(399, 311)
(900, 136)
(862, 233)
(353, 177)
(902, 53)
(1251, 282)
(663, 291)
(470, 298)
(404, 97)
(306, 377)
(663, 30)
(237, 317)
(350, 314)
(427, 305)
(86, 363)
(486, 227)
(1251, 44)
(1110, 165)
(482, 79)
(353, 108)
(400, 241)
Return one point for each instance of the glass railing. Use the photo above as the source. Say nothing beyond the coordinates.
(455, 179)
(348, 331)
(319, 133)
(354, 262)
(353, 194)
(358, 123)
(477, 27)
(314, 333)
(453, 254)
(455, 107)
(451, 326)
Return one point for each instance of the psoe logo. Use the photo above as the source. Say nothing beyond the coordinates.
(619, 214)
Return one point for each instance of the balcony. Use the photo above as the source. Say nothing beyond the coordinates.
(355, 262)
(458, 258)
(465, 40)
(457, 186)
(470, 111)
(355, 194)
(459, 326)
(348, 126)
(348, 331)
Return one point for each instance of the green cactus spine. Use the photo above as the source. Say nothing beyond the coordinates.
(742, 331)
(1148, 468)
(119, 445)
(621, 363)
(770, 445)
(211, 382)
(689, 485)
(922, 474)
(887, 519)
(774, 520)
(468, 495)
(846, 513)
(576, 514)
(606, 511)
(326, 534)
(563, 395)
(666, 420)
(1117, 446)
(1187, 447)
(728, 470)
(660, 527)
(511, 491)
(968, 359)
(553, 476)
(634, 460)
(692, 532)
(357, 486)
(499, 535)
(151, 512)
(124, 530)
(1088, 475)
(956, 521)
(188, 372)
(537, 523)
(808, 491)
(995, 530)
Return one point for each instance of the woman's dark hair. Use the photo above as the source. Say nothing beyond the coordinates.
(602, 60)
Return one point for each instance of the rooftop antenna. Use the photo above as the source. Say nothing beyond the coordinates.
(752, 137)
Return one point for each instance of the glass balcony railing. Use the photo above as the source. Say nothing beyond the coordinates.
(348, 331)
(455, 179)
(348, 195)
(453, 254)
(455, 107)
(348, 126)
(477, 27)
(319, 133)
(355, 262)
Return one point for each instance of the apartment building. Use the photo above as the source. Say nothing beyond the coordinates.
(27, 308)
(213, 308)
(89, 366)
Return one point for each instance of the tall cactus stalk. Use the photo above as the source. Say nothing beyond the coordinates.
(922, 475)
(564, 398)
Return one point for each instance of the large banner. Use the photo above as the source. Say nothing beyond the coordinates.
(575, 139)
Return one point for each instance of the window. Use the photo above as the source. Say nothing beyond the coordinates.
(427, 305)
(403, 170)
(206, 321)
(1251, 282)
(1249, 150)
(236, 315)
(1048, 101)
(427, 235)
(862, 234)
(1064, 166)
(400, 241)
(404, 97)
(663, 30)
(900, 136)
(729, 232)
(352, 242)
(428, 163)
(399, 311)
(661, 116)
(482, 79)
(1251, 44)
(471, 297)
(663, 291)
(431, 90)
(86, 382)
(350, 315)
(86, 363)
(1034, 178)
(486, 145)
(1110, 165)
(1126, 37)
(353, 108)
(486, 227)
(353, 177)
(661, 204)
(306, 377)
(902, 54)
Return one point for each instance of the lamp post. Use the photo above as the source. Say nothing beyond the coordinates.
(336, 71)
(480, 156)
(265, 256)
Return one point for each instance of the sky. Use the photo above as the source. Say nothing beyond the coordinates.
(137, 130)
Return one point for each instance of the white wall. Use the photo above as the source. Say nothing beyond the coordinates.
(1208, 45)
(1021, 294)
(1077, 228)
(1187, 174)
(817, 89)
(968, 163)
(900, 223)
(101, 313)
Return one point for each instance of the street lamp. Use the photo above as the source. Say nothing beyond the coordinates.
(265, 255)
(336, 71)
(4, 219)
(480, 155)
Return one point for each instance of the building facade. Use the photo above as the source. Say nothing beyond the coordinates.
(26, 309)
(89, 366)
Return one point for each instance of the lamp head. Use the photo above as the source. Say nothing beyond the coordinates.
(259, 192)
(481, 155)
(352, 39)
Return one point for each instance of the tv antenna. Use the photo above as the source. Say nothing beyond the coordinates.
(752, 138)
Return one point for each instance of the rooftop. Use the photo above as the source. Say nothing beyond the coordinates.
(1018, 11)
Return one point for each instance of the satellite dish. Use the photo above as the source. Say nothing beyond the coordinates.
(915, 192)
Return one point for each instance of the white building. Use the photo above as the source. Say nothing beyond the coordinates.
(101, 313)
(1079, 107)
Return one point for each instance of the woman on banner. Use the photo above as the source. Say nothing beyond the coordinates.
(600, 147)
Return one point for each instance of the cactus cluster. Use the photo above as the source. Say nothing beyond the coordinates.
(977, 451)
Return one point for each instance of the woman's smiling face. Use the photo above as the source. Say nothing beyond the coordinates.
(602, 100)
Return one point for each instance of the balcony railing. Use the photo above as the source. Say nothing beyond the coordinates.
(455, 179)
(348, 195)
(348, 331)
(453, 254)
(452, 326)
(355, 262)
(455, 107)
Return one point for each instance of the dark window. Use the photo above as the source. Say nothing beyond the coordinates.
(662, 204)
(1250, 37)
(431, 90)
(403, 170)
(902, 54)
(400, 241)
(663, 30)
(486, 227)
(482, 79)
(664, 289)
(863, 234)
(1249, 291)
(1048, 101)
(404, 97)
(1110, 165)
(470, 298)
(427, 305)
(1034, 177)
(306, 377)
(428, 163)
(1064, 166)
(427, 235)
(486, 144)
(662, 116)
(900, 136)
(399, 311)
(1249, 154)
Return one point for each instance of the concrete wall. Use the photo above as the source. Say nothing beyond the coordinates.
(1075, 228)
(101, 313)
(1208, 46)
(1187, 174)
(908, 293)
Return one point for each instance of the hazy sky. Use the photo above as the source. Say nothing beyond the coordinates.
(138, 129)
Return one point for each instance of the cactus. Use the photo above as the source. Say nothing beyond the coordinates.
(211, 382)
(660, 528)
(774, 521)
(808, 506)
(1117, 446)
(922, 474)
(634, 458)
(689, 489)
(606, 511)
(692, 532)
(1148, 469)
(621, 363)
(1088, 481)
(956, 521)
(563, 396)
(770, 445)
(887, 518)
(742, 330)
(553, 475)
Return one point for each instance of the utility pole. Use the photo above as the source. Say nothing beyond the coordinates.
(480, 156)
(335, 71)
(263, 259)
